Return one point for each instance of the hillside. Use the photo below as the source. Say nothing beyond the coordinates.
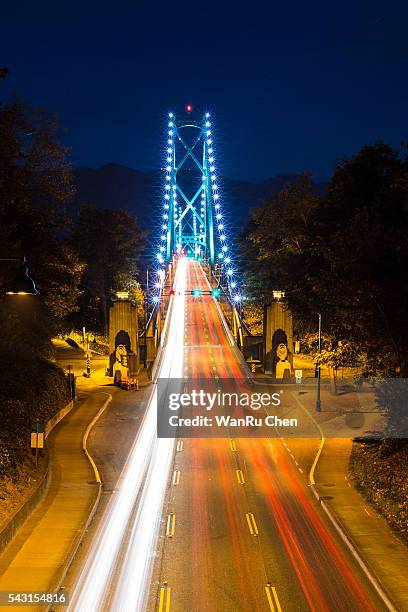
(116, 186)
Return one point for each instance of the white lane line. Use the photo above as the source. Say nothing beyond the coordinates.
(176, 477)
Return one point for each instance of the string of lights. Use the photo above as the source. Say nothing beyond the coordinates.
(224, 256)
(183, 229)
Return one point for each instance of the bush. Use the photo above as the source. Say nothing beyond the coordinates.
(379, 469)
(35, 389)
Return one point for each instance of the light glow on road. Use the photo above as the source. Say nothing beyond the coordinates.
(142, 484)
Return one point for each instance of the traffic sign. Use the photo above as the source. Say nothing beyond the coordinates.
(37, 438)
(298, 376)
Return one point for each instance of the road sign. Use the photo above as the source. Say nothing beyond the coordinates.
(37, 435)
(298, 376)
(297, 346)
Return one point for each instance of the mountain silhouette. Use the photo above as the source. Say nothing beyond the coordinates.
(141, 193)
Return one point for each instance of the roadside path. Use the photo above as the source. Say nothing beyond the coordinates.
(381, 550)
(35, 557)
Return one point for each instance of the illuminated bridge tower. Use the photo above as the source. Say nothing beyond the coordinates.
(193, 219)
(192, 206)
(188, 188)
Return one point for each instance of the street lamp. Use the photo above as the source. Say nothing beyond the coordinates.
(278, 295)
(318, 402)
(122, 295)
(22, 283)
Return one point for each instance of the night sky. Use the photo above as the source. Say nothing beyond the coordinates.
(291, 86)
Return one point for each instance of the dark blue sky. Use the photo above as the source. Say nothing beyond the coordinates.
(292, 85)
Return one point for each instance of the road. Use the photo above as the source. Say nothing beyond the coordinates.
(213, 524)
(246, 534)
(117, 570)
(67, 355)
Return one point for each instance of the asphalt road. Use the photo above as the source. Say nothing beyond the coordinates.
(213, 524)
(240, 529)
(67, 355)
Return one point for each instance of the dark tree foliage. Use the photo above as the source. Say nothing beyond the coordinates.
(33, 388)
(35, 184)
(344, 254)
(110, 242)
(277, 249)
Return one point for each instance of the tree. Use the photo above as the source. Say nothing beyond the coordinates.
(363, 237)
(110, 242)
(36, 183)
(276, 245)
(344, 254)
(253, 314)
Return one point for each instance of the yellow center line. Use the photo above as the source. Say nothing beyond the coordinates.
(180, 446)
(240, 477)
(322, 441)
(253, 527)
(276, 598)
(176, 477)
(269, 598)
(171, 525)
(273, 599)
(164, 600)
(232, 445)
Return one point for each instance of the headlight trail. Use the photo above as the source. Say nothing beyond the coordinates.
(144, 477)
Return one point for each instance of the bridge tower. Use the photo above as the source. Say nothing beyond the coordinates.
(193, 220)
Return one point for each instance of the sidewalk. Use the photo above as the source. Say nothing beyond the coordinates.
(35, 557)
(383, 553)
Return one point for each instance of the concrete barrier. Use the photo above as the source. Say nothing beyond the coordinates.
(8, 532)
(53, 421)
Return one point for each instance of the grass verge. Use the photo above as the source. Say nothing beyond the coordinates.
(379, 470)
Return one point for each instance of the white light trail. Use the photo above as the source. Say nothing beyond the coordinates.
(146, 473)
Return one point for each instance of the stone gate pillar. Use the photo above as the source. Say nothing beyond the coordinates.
(278, 337)
(123, 338)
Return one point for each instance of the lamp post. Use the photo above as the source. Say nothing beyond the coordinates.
(22, 283)
(278, 295)
(318, 402)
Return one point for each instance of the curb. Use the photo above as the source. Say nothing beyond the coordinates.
(338, 527)
(91, 515)
(350, 546)
(21, 515)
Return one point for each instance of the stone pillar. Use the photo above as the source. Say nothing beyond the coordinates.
(278, 340)
(123, 339)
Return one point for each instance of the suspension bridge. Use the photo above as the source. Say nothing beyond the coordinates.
(194, 221)
(209, 524)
